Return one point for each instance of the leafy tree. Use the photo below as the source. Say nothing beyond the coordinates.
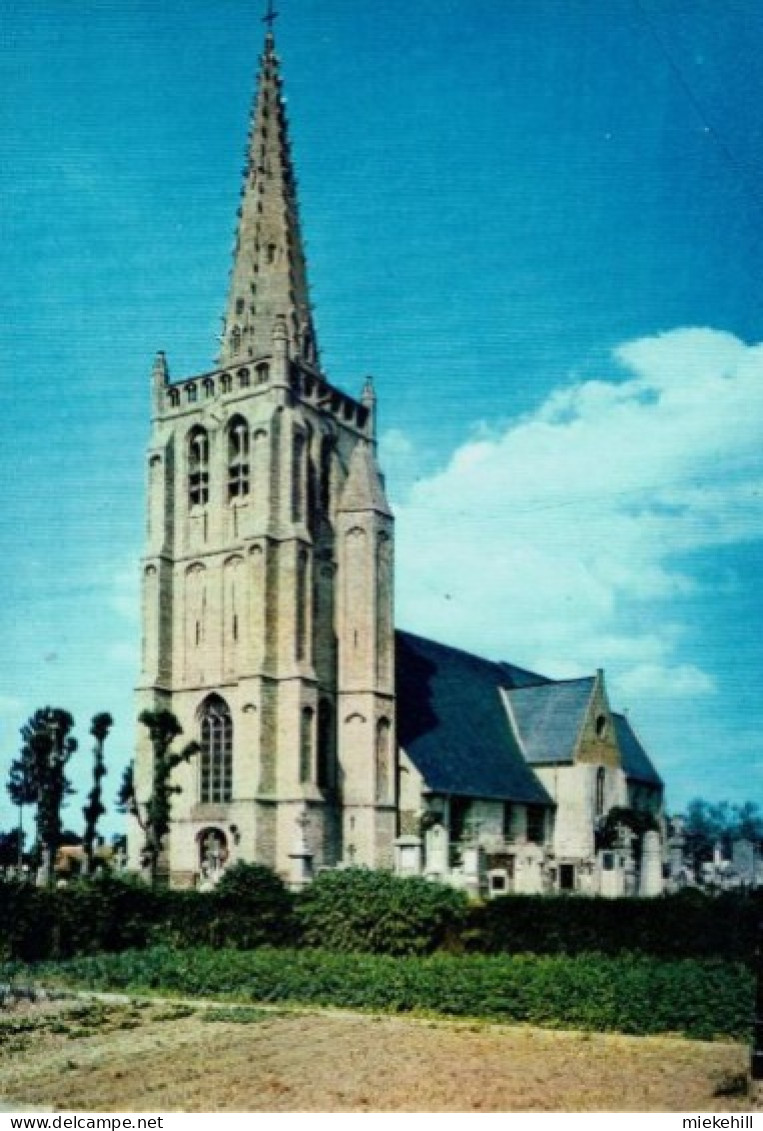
(99, 728)
(153, 815)
(709, 823)
(39, 776)
(22, 789)
(620, 817)
(747, 821)
(11, 847)
(126, 790)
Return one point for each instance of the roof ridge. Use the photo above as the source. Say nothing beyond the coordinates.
(500, 664)
(448, 647)
(551, 682)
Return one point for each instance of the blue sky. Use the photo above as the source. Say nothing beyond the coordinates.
(537, 223)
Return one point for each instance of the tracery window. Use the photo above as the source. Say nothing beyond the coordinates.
(198, 467)
(216, 757)
(238, 458)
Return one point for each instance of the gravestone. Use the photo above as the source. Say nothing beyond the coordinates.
(437, 851)
(743, 858)
(651, 865)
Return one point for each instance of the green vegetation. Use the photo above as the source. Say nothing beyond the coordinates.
(689, 924)
(377, 912)
(38, 777)
(366, 940)
(95, 809)
(237, 1014)
(153, 814)
(250, 908)
(593, 992)
(372, 912)
(708, 823)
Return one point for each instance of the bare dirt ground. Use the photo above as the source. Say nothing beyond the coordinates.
(149, 1057)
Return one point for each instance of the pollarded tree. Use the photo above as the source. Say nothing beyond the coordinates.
(153, 815)
(22, 790)
(47, 746)
(94, 810)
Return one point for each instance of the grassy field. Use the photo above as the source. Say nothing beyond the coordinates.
(166, 1056)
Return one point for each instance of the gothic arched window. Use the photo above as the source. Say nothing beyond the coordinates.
(298, 477)
(306, 745)
(216, 783)
(384, 629)
(327, 446)
(238, 458)
(600, 776)
(198, 467)
(325, 728)
(383, 777)
(302, 583)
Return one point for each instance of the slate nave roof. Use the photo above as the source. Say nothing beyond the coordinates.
(454, 724)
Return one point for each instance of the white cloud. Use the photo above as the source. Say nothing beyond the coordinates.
(682, 681)
(403, 462)
(548, 541)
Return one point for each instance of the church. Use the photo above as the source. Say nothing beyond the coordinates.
(329, 739)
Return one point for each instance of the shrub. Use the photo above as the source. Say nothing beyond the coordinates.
(628, 994)
(362, 910)
(253, 907)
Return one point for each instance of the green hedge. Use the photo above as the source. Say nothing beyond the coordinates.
(250, 908)
(700, 999)
(375, 912)
(686, 925)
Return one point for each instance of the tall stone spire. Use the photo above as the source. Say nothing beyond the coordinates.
(269, 278)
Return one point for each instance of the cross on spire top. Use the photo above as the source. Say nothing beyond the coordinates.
(270, 17)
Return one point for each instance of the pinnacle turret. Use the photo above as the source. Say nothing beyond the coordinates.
(368, 399)
(269, 278)
(363, 488)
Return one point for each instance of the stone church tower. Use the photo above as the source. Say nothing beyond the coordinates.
(268, 577)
